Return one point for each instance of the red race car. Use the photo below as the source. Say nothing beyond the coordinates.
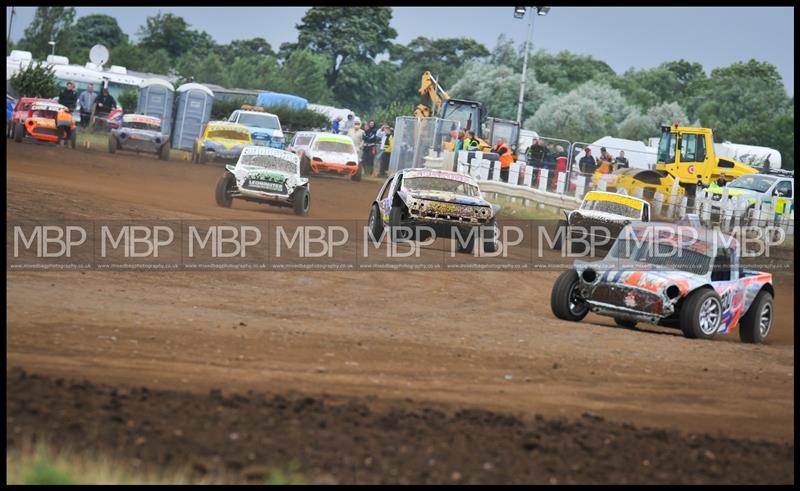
(44, 120)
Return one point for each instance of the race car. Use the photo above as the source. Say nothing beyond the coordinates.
(220, 140)
(601, 216)
(301, 141)
(265, 175)
(439, 199)
(139, 133)
(755, 188)
(43, 120)
(332, 154)
(671, 275)
(265, 128)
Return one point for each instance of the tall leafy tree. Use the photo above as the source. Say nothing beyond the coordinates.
(240, 48)
(49, 23)
(167, 31)
(497, 87)
(95, 29)
(565, 70)
(345, 35)
(129, 55)
(304, 73)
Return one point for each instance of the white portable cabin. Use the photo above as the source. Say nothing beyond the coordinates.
(194, 110)
(156, 97)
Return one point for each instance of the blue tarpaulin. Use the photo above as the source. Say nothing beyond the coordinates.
(267, 99)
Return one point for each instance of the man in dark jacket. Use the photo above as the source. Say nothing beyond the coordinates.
(105, 103)
(68, 97)
(587, 164)
(370, 141)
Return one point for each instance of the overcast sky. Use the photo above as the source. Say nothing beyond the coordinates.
(623, 37)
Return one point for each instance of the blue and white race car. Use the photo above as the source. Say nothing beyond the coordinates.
(265, 128)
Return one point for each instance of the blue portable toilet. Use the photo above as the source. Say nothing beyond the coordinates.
(194, 110)
(267, 99)
(155, 99)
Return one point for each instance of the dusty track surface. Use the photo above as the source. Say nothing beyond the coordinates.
(345, 441)
(447, 338)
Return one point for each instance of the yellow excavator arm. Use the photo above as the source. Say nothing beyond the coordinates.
(432, 97)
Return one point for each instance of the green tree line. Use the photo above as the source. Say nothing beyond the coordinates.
(347, 57)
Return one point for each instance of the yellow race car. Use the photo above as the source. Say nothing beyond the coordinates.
(221, 140)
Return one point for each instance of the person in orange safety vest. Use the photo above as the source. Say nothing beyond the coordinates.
(505, 157)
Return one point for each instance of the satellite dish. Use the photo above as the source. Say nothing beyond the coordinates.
(98, 55)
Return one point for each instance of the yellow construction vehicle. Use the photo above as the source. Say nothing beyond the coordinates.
(435, 102)
(685, 155)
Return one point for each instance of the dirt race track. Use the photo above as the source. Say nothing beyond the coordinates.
(435, 365)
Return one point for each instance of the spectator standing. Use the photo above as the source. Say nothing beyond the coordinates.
(357, 135)
(335, 125)
(105, 103)
(370, 141)
(536, 153)
(348, 124)
(386, 155)
(471, 143)
(605, 161)
(505, 157)
(587, 164)
(721, 181)
(621, 161)
(459, 145)
(68, 97)
(86, 101)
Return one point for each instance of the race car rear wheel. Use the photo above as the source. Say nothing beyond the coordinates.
(565, 299)
(163, 153)
(194, 154)
(112, 144)
(301, 201)
(701, 314)
(375, 223)
(19, 132)
(395, 221)
(225, 186)
(201, 156)
(357, 176)
(755, 325)
(73, 138)
(628, 324)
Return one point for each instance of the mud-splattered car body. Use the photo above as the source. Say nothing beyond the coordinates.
(432, 199)
(652, 269)
(601, 216)
(265, 175)
(41, 120)
(221, 140)
(139, 133)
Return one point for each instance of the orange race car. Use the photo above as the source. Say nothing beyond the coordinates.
(47, 121)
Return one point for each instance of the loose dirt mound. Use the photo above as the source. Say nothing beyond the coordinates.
(346, 441)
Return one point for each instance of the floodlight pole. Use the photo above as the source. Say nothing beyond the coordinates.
(525, 66)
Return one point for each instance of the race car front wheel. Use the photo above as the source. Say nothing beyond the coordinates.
(757, 322)
(565, 299)
(225, 186)
(701, 314)
(375, 223)
(112, 144)
(357, 175)
(301, 201)
(73, 139)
